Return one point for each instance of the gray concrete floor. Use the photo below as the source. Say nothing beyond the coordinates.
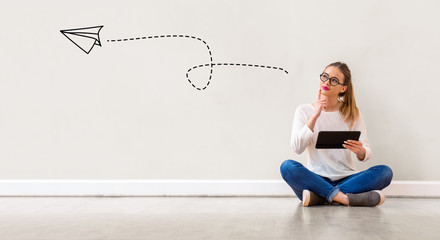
(213, 218)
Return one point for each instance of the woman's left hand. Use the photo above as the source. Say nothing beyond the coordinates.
(356, 147)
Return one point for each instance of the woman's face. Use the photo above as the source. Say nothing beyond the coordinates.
(334, 75)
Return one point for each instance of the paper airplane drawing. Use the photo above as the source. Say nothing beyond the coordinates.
(84, 38)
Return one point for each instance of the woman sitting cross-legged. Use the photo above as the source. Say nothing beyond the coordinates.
(330, 175)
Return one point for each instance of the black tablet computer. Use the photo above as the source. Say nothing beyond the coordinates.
(335, 139)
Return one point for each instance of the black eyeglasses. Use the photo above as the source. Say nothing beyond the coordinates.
(333, 81)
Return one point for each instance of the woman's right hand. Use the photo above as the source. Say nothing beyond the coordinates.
(319, 105)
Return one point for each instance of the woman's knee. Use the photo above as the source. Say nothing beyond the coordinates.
(288, 168)
(386, 173)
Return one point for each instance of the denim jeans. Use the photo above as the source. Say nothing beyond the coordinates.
(300, 178)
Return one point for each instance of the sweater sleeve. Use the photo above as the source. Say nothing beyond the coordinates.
(360, 126)
(301, 133)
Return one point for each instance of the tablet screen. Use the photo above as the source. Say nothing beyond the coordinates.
(335, 139)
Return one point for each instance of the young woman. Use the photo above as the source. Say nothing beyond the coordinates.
(330, 175)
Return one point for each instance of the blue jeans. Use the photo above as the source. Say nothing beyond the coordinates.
(300, 178)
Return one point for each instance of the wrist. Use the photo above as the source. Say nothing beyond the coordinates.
(311, 123)
(362, 154)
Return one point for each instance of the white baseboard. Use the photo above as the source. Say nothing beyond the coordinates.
(413, 188)
(276, 188)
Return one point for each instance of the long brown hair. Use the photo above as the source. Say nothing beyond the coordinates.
(349, 110)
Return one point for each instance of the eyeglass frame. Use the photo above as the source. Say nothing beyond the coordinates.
(328, 78)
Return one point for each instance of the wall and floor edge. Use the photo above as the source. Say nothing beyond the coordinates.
(126, 188)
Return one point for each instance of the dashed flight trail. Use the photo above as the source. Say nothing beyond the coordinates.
(211, 64)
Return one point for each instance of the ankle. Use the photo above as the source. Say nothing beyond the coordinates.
(341, 198)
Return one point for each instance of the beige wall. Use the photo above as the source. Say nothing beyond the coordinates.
(126, 111)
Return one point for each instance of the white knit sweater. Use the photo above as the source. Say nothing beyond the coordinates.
(331, 163)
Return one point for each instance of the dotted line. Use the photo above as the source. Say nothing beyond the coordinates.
(176, 36)
(211, 64)
(228, 64)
